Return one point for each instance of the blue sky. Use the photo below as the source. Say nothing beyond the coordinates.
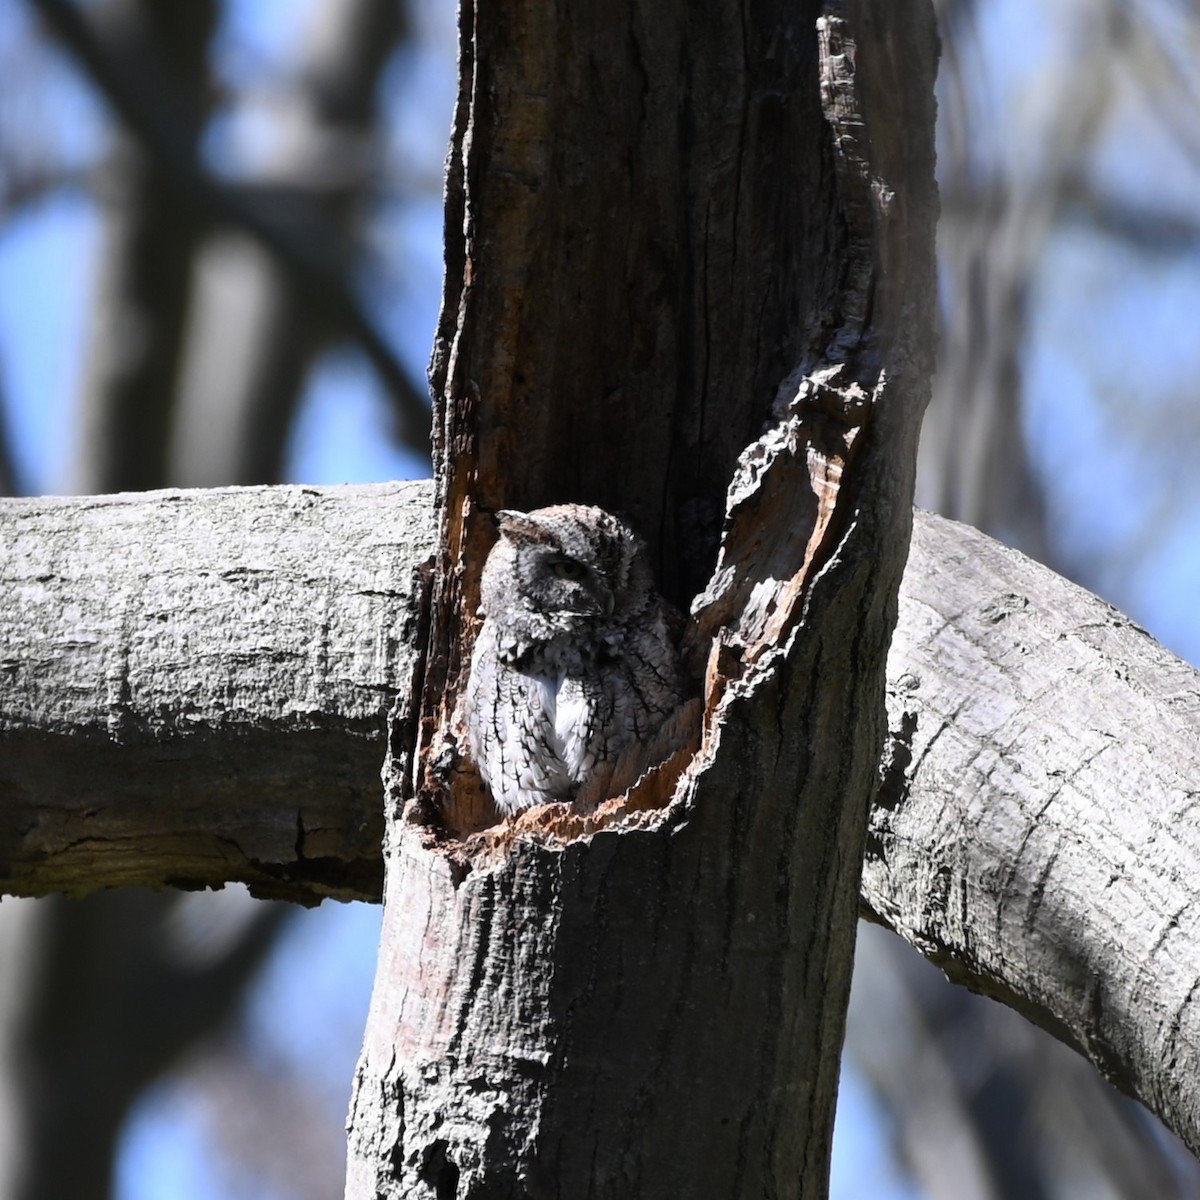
(1113, 352)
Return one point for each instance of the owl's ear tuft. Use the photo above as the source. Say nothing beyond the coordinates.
(520, 527)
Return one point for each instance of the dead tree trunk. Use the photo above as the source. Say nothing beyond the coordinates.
(669, 229)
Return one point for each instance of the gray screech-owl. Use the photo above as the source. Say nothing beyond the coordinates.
(577, 658)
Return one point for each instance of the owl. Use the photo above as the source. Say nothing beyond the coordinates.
(577, 659)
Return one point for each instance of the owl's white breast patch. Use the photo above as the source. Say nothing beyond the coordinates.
(565, 715)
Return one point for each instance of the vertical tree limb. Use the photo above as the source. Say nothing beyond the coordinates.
(678, 225)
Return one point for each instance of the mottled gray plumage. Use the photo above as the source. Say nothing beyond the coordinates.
(577, 658)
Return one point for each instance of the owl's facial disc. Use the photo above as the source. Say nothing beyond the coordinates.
(575, 587)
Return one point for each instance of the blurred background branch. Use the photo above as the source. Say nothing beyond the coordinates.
(150, 62)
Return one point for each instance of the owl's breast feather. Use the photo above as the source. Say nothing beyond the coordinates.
(568, 721)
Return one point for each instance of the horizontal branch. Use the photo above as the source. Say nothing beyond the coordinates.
(193, 689)
(1037, 833)
(194, 685)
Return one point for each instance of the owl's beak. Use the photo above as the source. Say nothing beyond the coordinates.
(601, 597)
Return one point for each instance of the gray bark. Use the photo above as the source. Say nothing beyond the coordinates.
(1038, 830)
(193, 685)
(1038, 839)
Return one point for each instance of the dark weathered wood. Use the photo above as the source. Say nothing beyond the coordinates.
(193, 685)
(637, 202)
(670, 229)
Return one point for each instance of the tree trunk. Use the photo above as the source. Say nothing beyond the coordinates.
(667, 228)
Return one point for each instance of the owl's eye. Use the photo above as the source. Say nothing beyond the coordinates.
(568, 568)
